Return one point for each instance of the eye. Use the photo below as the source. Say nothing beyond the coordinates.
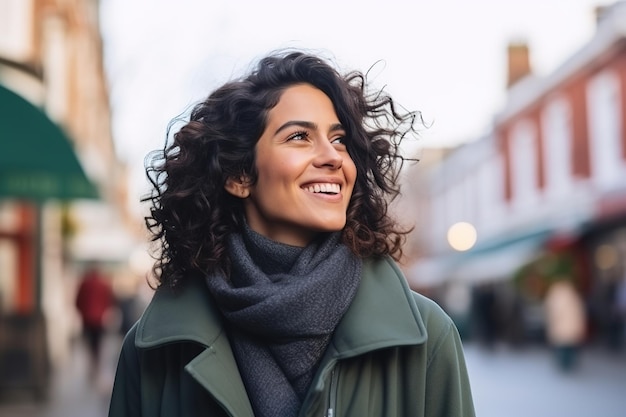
(340, 142)
(299, 135)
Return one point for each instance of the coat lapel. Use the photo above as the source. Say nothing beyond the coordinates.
(190, 316)
(383, 298)
(216, 370)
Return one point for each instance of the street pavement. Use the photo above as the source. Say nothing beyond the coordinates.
(526, 382)
(506, 382)
(73, 391)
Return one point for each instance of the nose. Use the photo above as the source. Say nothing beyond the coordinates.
(328, 155)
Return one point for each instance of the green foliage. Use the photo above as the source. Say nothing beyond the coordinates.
(534, 278)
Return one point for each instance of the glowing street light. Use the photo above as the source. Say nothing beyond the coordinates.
(462, 236)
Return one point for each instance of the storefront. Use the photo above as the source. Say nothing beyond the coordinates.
(37, 165)
(605, 240)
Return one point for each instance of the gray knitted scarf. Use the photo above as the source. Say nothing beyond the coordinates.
(283, 304)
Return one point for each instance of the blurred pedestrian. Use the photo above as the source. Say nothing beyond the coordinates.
(279, 295)
(94, 301)
(566, 321)
(129, 304)
(620, 311)
(485, 307)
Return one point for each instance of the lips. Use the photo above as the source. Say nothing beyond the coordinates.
(326, 188)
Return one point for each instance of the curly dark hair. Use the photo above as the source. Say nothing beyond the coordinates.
(191, 213)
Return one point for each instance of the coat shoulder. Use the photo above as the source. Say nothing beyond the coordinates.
(438, 323)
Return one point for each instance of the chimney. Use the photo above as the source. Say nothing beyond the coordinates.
(600, 13)
(518, 62)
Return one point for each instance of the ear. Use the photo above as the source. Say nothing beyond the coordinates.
(238, 187)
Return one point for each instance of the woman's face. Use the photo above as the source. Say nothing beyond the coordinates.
(305, 174)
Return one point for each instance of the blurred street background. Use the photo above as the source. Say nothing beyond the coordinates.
(518, 202)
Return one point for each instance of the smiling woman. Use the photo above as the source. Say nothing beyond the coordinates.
(278, 293)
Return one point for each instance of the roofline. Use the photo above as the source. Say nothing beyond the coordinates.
(527, 91)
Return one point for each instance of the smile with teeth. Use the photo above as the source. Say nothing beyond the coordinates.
(325, 188)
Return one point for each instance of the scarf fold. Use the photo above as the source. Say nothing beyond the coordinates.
(283, 303)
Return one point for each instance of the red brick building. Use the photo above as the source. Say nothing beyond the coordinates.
(546, 187)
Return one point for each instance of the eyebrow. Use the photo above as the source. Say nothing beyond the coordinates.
(307, 125)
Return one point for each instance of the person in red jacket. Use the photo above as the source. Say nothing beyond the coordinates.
(94, 300)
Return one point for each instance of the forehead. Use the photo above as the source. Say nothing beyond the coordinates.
(301, 100)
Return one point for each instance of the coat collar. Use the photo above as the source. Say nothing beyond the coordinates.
(187, 314)
(383, 297)
(382, 314)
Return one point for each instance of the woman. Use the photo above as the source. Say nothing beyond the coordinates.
(278, 294)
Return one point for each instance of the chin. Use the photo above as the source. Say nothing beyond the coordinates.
(332, 226)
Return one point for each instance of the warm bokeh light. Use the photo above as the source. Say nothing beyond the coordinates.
(462, 236)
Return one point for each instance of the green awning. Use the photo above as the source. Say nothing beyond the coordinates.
(498, 259)
(37, 161)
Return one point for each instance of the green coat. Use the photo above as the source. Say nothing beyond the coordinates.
(395, 353)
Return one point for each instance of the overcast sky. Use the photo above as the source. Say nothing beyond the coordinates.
(445, 58)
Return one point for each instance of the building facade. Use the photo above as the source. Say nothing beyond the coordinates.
(51, 67)
(546, 189)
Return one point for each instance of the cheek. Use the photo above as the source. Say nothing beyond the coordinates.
(350, 172)
(274, 176)
(276, 173)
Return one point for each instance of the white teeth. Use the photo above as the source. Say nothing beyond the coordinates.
(324, 188)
